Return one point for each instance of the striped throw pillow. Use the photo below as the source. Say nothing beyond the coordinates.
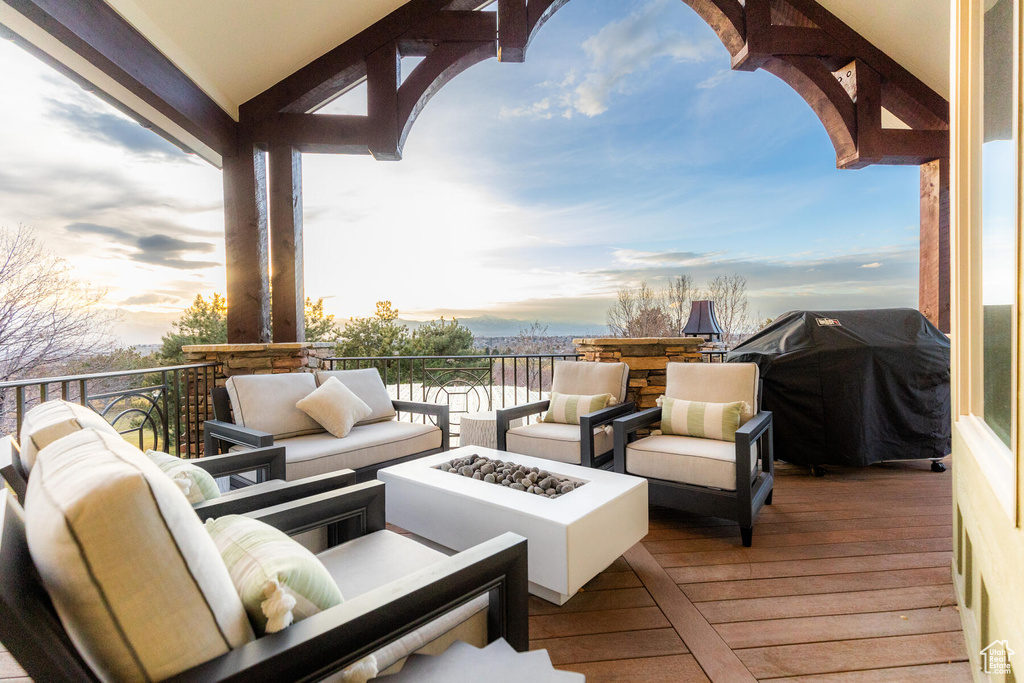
(278, 580)
(567, 408)
(196, 483)
(717, 421)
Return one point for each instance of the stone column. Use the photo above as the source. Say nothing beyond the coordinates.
(646, 359)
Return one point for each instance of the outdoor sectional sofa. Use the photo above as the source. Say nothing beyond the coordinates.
(255, 411)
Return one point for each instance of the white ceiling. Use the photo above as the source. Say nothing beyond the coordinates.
(236, 49)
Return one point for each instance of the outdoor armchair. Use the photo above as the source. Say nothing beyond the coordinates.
(254, 411)
(702, 475)
(588, 444)
(484, 586)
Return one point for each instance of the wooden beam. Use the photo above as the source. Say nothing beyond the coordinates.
(758, 41)
(444, 63)
(318, 133)
(513, 31)
(934, 288)
(870, 146)
(538, 12)
(449, 27)
(285, 167)
(246, 246)
(726, 18)
(99, 35)
(319, 81)
(383, 74)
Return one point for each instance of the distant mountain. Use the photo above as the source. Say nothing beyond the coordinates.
(493, 326)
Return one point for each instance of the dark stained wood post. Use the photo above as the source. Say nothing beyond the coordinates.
(245, 246)
(288, 295)
(935, 263)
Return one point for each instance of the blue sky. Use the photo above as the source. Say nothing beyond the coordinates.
(623, 150)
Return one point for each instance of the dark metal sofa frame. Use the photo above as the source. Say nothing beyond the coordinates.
(753, 491)
(311, 649)
(221, 432)
(588, 423)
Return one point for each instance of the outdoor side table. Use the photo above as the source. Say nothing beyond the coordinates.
(481, 429)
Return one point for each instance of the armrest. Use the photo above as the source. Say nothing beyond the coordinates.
(606, 415)
(363, 502)
(260, 496)
(752, 430)
(591, 421)
(216, 430)
(504, 416)
(624, 428)
(333, 639)
(439, 410)
(271, 459)
(11, 470)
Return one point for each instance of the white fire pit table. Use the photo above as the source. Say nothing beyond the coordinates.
(571, 539)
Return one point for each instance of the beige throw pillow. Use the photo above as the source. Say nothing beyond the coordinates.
(335, 407)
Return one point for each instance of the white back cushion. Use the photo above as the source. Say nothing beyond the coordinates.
(53, 420)
(367, 385)
(715, 383)
(591, 379)
(267, 403)
(137, 582)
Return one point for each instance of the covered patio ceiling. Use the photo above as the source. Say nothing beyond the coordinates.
(237, 82)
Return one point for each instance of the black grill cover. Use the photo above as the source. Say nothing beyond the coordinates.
(853, 387)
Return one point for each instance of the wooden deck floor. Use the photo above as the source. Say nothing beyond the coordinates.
(848, 580)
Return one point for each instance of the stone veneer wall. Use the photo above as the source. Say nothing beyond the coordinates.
(646, 358)
(250, 359)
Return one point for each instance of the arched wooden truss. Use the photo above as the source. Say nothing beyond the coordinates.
(845, 80)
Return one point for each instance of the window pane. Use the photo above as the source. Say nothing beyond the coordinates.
(999, 166)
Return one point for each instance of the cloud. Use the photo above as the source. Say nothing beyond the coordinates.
(150, 299)
(627, 46)
(716, 80)
(114, 129)
(537, 111)
(874, 264)
(155, 249)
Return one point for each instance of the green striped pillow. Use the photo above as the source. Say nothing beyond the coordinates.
(567, 408)
(196, 483)
(717, 421)
(278, 580)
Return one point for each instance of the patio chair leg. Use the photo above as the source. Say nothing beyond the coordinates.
(747, 534)
(768, 500)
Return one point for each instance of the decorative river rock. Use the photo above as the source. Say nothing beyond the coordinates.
(519, 477)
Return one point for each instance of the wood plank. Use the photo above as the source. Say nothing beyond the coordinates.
(613, 580)
(812, 538)
(744, 634)
(870, 653)
(604, 646)
(711, 652)
(671, 669)
(767, 527)
(595, 600)
(597, 621)
(781, 513)
(953, 672)
(752, 555)
(887, 600)
(809, 567)
(619, 565)
(812, 585)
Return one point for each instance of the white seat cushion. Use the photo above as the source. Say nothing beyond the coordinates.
(377, 559)
(687, 460)
(554, 441)
(53, 420)
(267, 403)
(136, 580)
(365, 445)
(367, 385)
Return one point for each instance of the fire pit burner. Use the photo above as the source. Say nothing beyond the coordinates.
(519, 477)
